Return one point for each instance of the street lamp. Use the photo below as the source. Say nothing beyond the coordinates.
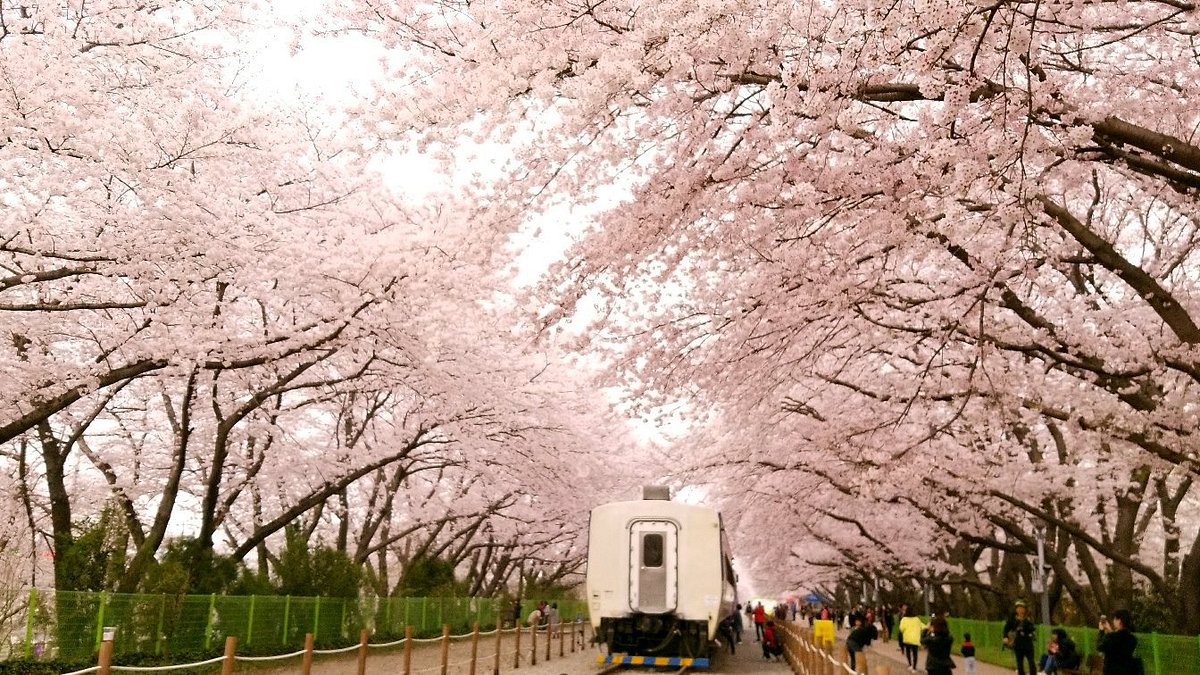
(1039, 576)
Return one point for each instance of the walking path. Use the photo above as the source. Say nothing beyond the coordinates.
(890, 653)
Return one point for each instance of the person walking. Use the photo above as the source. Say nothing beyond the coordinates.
(938, 642)
(738, 626)
(760, 621)
(553, 619)
(911, 628)
(1019, 633)
(968, 654)
(860, 637)
(1117, 643)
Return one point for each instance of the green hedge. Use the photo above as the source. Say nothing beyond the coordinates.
(1161, 654)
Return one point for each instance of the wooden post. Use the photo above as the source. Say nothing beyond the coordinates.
(517, 651)
(499, 633)
(445, 648)
(306, 660)
(474, 648)
(573, 624)
(230, 652)
(533, 641)
(408, 649)
(562, 641)
(106, 654)
(362, 652)
(549, 640)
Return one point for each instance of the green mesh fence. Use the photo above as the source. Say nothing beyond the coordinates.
(1161, 654)
(67, 626)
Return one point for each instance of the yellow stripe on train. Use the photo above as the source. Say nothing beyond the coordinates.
(629, 660)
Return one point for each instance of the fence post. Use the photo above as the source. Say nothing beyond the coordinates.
(362, 652)
(250, 622)
(562, 641)
(158, 635)
(29, 622)
(474, 648)
(230, 651)
(316, 616)
(407, 649)
(499, 633)
(517, 652)
(445, 647)
(100, 619)
(1157, 654)
(549, 640)
(533, 641)
(307, 659)
(106, 650)
(212, 603)
(424, 613)
(287, 608)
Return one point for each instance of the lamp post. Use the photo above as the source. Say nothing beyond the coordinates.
(1039, 576)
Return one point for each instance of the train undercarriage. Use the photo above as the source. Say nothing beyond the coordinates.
(655, 635)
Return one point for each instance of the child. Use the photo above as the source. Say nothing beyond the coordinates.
(968, 654)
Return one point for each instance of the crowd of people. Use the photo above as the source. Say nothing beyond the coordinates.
(544, 616)
(1060, 655)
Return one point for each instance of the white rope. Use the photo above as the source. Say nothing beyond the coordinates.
(343, 650)
(277, 657)
(268, 658)
(387, 644)
(163, 669)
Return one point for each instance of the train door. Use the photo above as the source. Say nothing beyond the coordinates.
(653, 566)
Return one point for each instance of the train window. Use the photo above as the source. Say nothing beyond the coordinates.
(652, 550)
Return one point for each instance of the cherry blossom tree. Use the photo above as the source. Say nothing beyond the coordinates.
(941, 254)
(221, 316)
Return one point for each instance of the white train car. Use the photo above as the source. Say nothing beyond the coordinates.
(659, 577)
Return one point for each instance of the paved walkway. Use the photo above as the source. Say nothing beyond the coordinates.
(889, 653)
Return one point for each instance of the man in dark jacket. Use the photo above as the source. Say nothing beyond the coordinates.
(1117, 643)
(860, 636)
(1019, 634)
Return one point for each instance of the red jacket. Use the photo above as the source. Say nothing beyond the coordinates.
(760, 614)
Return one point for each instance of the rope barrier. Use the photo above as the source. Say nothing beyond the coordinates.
(387, 644)
(302, 652)
(268, 658)
(163, 669)
(342, 650)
